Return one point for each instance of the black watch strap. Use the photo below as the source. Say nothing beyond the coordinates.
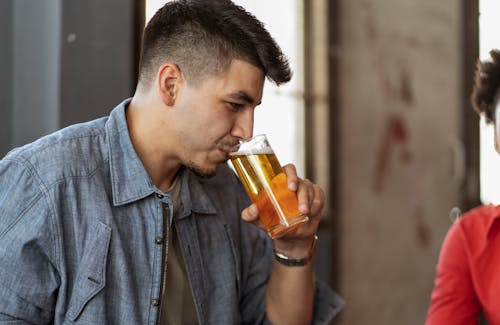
(288, 261)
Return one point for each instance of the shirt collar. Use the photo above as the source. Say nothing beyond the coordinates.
(129, 179)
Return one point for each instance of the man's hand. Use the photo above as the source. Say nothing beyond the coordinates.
(311, 200)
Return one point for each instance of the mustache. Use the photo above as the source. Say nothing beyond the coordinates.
(230, 143)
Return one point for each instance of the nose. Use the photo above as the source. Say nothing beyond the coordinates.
(243, 125)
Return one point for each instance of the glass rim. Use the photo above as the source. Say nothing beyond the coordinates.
(241, 148)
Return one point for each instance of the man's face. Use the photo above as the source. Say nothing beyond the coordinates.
(214, 115)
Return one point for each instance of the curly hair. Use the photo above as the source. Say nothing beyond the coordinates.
(486, 86)
(202, 37)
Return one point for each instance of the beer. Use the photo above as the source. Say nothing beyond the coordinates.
(265, 183)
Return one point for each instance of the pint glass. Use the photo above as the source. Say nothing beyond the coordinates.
(265, 183)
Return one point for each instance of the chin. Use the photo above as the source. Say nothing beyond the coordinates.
(204, 173)
(201, 171)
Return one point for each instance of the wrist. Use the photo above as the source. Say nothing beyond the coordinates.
(296, 255)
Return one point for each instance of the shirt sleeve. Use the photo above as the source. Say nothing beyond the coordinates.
(453, 299)
(28, 278)
(327, 304)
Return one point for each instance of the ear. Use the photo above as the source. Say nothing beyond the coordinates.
(169, 82)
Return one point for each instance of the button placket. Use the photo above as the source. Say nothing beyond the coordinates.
(165, 202)
(160, 240)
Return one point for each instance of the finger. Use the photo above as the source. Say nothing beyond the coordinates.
(291, 177)
(250, 214)
(305, 195)
(318, 201)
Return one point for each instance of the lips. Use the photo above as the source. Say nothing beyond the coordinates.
(228, 150)
(228, 145)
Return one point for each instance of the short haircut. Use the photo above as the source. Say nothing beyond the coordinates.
(202, 37)
(486, 86)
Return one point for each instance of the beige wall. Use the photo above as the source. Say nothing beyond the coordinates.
(400, 153)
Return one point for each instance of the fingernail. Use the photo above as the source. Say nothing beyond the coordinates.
(253, 210)
(292, 186)
(303, 208)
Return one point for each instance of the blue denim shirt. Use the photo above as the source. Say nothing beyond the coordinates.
(81, 236)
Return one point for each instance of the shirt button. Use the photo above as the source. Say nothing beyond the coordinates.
(158, 195)
(159, 240)
(155, 302)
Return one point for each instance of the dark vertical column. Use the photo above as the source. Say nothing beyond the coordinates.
(35, 64)
(470, 119)
(5, 75)
(334, 131)
(310, 172)
(98, 61)
(64, 62)
(138, 22)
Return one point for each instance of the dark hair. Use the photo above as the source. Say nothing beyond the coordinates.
(202, 37)
(486, 86)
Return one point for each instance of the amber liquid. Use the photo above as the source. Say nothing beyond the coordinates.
(265, 183)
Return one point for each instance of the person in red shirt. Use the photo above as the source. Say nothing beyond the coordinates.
(467, 282)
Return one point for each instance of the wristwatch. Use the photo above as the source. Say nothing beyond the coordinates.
(288, 261)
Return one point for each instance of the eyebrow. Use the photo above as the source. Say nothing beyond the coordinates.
(241, 95)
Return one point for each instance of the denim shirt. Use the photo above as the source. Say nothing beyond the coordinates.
(81, 236)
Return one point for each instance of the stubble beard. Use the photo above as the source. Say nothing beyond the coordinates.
(200, 171)
(224, 144)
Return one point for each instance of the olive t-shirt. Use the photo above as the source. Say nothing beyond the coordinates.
(177, 300)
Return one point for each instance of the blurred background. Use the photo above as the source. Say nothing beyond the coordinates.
(378, 113)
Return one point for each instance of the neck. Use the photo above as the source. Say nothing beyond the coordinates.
(154, 152)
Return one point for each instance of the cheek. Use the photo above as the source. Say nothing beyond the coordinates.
(209, 130)
(219, 123)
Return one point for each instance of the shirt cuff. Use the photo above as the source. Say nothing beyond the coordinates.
(327, 304)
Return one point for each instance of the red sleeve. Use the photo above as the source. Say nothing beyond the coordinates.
(453, 299)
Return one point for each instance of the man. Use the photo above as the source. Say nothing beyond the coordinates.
(467, 283)
(135, 218)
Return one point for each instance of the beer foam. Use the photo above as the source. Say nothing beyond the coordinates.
(256, 151)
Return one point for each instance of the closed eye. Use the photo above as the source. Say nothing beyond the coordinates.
(236, 106)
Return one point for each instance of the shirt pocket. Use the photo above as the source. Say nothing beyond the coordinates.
(91, 275)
